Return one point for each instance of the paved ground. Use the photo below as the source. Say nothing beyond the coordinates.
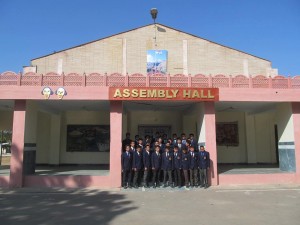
(253, 205)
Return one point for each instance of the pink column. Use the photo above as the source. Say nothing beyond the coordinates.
(210, 142)
(296, 122)
(16, 161)
(116, 110)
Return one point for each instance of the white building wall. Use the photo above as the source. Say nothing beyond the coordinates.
(82, 117)
(6, 120)
(43, 138)
(135, 118)
(233, 154)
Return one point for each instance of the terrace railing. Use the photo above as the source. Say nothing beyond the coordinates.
(156, 80)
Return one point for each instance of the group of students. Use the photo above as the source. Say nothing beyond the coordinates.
(171, 162)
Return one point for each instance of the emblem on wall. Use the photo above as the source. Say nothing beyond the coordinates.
(47, 92)
(60, 92)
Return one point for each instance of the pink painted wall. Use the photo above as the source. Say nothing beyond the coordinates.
(210, 142)
(102, 93)
(251, 179)
(17, 147)
(296, 122)
(116, 110)
(68, 181)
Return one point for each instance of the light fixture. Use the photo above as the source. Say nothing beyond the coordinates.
(154, 12)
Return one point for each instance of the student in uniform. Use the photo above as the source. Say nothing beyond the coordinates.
(174, 140)
(140, 143)
(194, 142)
(169, 146)
(179, 145)
(126, 162)
(203, 164)
(161, 144)
(185, 162)
(183, 138)
(147, 165)
(177, 167)
(193, 167)
(126, 141)
(137, 166)
(156, 166)
(132, 147)
(136, 139)
(148, 140)
(167, 166)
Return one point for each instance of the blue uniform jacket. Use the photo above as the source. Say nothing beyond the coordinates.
(185, 161)
(167, 162)
(180, 147)
(204, 160)
(177, 160)
(156, 161)
(137, 161)
(147, 159)
(193, 160)
(126, 161)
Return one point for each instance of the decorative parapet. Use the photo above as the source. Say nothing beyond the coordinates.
(10, 78)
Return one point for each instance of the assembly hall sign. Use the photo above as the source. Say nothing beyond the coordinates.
(164, 94)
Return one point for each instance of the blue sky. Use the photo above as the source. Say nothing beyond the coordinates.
(266, 28)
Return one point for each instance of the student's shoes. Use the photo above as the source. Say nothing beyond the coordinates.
(136, 187)
(154, 186)
(125, 187)
(165, 186)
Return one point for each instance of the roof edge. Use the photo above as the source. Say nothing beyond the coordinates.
(77, 46)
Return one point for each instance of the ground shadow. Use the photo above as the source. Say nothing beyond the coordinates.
(58, 206)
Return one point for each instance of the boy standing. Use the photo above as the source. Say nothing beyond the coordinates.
(185, 162)
(147, 165)
(137, 165)
(204, 164)
(193, 167)
(167, 166)
(156, 166)
(126, 162)
(177, 167)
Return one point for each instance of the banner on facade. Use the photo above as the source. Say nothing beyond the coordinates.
(164, 94)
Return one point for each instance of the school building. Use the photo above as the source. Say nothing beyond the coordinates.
(69, 111)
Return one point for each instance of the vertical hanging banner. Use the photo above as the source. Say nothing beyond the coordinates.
(157, 61)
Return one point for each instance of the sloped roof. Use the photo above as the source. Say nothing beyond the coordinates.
(143, 27)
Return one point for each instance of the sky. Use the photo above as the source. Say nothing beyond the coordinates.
(269, 29)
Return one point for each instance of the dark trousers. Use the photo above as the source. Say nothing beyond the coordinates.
(146, 177)
(126, 177)
(186, 177)
(169, 174)
(136, 177)
(194, 176)
(203, 177)
(177, 177)
(155, 176)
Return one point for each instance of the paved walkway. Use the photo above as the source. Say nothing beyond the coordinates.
(253, 205)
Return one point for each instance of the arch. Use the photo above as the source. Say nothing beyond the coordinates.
(8, 73)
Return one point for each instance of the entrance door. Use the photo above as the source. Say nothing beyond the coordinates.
(150, 130)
